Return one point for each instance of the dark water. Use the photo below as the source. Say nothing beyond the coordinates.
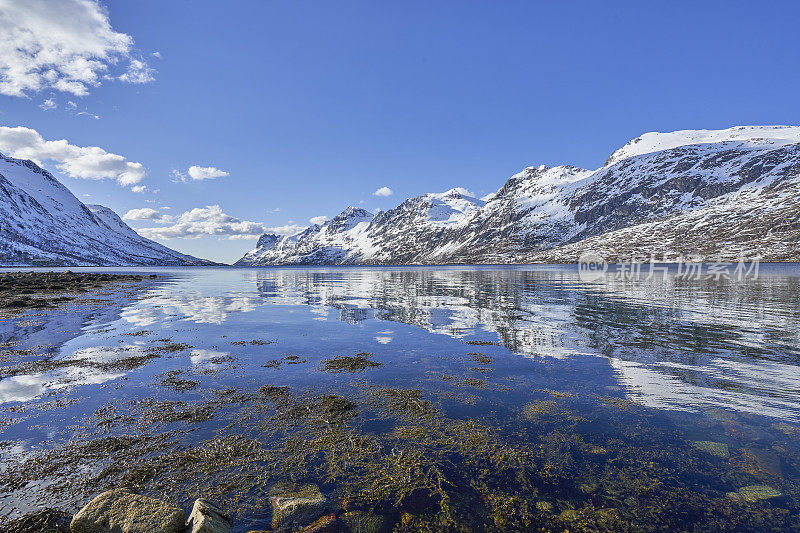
(517, 398)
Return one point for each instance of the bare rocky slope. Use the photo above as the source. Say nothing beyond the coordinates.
(710, 194)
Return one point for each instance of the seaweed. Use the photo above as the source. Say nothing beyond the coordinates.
(173, 381)
(353, 364)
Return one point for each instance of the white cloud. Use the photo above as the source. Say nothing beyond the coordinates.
(288, 229)
(177, 175)
(139, 188)
(197, 173)
(157, 54)
(62, 45)
(319, 220)
(85, 162)
(206, 173)
(144, 213)
(209, 220)
(138, 72)
(72, 107)
(383, 191)
(48, 104)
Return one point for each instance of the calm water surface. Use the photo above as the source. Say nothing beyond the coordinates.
(600, 405)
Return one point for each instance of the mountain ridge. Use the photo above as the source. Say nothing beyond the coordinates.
(42, 222)
(736, 185)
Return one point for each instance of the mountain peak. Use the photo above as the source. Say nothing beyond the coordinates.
(352, 212)
(657, 141)
(45, 221)
(455, 193)
(712, 192)
(267, 241)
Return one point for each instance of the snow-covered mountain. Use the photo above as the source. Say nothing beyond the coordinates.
(714, 194)
(41, 221)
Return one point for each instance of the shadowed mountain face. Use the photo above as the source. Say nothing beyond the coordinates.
(710, 194)
(42, 221)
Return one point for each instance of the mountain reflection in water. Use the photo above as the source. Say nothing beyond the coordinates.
(674, 344)
(662, 374)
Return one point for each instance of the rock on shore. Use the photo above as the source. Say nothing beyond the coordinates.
(120, 511)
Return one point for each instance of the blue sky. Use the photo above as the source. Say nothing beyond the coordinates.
(308, 107)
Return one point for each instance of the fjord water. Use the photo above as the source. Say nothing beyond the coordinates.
(641, 402)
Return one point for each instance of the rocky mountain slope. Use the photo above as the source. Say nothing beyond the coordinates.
(712, 194)
(42, 222)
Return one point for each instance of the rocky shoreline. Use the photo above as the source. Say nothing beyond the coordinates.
(292, 508)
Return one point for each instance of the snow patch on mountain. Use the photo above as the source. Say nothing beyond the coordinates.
(716, 192)
(43, 222)
(756, 136)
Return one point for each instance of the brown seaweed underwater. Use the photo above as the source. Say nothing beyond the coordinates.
(435, 434)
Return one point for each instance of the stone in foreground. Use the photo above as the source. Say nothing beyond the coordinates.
(296, 506)
(120, 511)
(207, 518)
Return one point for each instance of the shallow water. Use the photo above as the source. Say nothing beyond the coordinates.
(622, 404)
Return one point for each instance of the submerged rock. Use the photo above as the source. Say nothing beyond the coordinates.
(207, 518)
(120, 511)
(364, 522)
(719, 449)
(753, 493)
(295, 506)
(758, 461)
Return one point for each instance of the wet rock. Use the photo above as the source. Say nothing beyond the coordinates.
(753, 493)
(719, 449)
(364, 522)
(207, 518)
(120, 511)
(326, 524)
(295, 506)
